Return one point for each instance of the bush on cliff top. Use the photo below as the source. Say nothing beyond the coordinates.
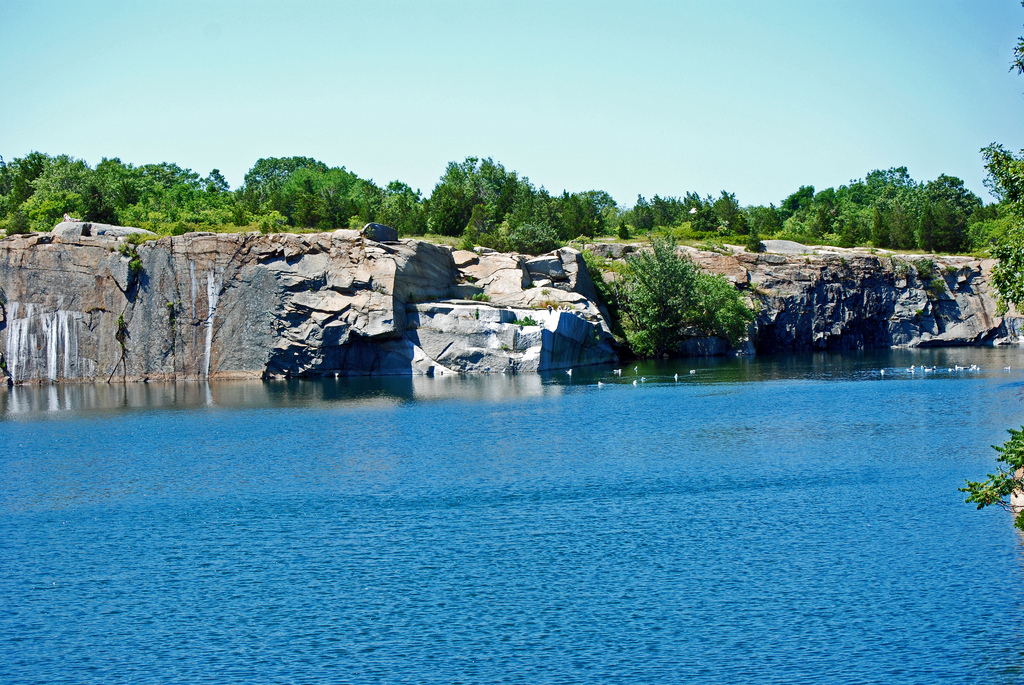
(663, 293)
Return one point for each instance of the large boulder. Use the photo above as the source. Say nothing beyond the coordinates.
(69, 230)
(380, 233)
(786, 247)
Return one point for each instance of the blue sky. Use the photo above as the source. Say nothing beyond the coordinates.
(645, 97)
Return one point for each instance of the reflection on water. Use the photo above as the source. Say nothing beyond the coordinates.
(384, 390)
(370, 391)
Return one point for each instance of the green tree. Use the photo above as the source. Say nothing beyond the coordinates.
(16, 181)
(1006, 176)
(268, 175)
(801, 199)
(926, 229)
(718, 309)
(764, 221)
(655, 298)
(999, 487)
(664, 295)
(216, 183)
(643, 217)
(533, 239)
(402, 208)
(727, 211)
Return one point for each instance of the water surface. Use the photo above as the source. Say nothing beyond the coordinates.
(784, 519)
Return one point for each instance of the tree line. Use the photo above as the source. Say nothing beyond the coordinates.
(481, 202)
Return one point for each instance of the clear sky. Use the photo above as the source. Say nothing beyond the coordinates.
(642, 97)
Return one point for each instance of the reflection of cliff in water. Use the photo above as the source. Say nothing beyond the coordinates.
(254, 394)
(382, 391)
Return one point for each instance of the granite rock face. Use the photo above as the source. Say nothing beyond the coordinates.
(820, 298)
(75, 306)
(862, 301)
(204, 305)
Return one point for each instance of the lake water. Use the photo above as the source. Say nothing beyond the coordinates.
(778, 520)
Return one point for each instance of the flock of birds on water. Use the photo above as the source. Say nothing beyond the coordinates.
(914, 368)
(636, 369)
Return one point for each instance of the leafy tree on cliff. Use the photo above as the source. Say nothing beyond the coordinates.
(269, 174)
(655, 298)
(663, 294)
(999, 487)
(1006, 178)
(1006, 175)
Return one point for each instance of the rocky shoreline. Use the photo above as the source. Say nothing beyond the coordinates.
(83, 304)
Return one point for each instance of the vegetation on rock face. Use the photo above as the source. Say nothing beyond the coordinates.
(664, 296)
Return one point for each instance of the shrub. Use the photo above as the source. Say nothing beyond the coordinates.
(139, 238)
(272, 222)
(469, 237)
(753, 243)
(664, 293)
(18, 224)
(714, 245)
(718, 309)
(526, 321)
(936, 288)
(481, 297)
(533, 239)
(925, 269)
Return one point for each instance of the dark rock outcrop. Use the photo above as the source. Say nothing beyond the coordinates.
(819, 298)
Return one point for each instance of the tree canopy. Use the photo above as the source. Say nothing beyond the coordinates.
(482, 202)
(665, 297)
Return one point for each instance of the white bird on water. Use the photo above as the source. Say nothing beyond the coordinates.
(600, 384)
(635, 368)
(643, 379)
(569, 372)
(634, 384)
(693, 371)
(1006, 368)
(883, 372)
(677, 376)
(617, 372)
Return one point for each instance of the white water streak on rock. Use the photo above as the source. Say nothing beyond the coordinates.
(212, 295)
(194, 289)
(57, 357)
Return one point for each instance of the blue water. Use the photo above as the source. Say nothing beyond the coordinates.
(780, 520)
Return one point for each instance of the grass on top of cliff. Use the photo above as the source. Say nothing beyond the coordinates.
(711, 241)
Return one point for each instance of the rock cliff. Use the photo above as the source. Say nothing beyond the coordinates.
(84, 304)
(830, 299)
(824, 298)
